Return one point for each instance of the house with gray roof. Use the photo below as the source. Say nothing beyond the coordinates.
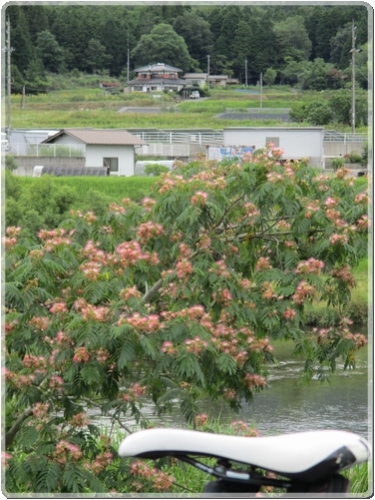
(157, 77)
(196, 79)
(215, 80)
(110, 148)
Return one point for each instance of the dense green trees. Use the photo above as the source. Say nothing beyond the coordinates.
(267, 36)
(49, 51)
(162, 45)
(292, 39)
(197, 35)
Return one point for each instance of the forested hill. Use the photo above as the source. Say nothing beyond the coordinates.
(95, 38)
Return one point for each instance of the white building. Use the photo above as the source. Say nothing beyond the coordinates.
(157, 77)
(196, 78)
(110, 148)
(297, 142)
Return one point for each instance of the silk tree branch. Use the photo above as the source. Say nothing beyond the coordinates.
(218, 224)
(11, 434)
(92, 403)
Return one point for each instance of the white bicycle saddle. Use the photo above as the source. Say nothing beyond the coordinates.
(300, 455)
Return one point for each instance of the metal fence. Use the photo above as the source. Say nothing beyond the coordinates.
(161, 137)
(67, 150)
(333, 136)
(216, 138)
(170, 137)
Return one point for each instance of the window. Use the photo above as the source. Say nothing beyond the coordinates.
(111, 164)
(273, 140)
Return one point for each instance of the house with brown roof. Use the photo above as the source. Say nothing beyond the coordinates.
(157, 77)
(110, 148)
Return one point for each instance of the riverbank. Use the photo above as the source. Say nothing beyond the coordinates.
(319, 314)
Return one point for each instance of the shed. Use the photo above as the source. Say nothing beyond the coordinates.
(110, 148)
(297, 142)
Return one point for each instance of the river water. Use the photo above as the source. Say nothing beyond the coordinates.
(288, 405)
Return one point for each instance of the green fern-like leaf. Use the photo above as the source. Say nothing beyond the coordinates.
(47, 480)
(169, 396)
(74, 478)
(189, 409)
(188, 367)
(93, 483)
(27, 436)
(226, 364)
(90, 374)
(13, 296)
(128, 353)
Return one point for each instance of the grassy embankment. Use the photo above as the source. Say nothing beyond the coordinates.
(89, 107)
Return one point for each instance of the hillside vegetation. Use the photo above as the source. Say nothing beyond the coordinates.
(307, 46)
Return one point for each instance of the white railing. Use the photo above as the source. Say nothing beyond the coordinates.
(166, 137)
(67, 150)
(214, 138)
(333, 136)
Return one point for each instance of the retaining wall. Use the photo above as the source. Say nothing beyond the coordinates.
(337, 149)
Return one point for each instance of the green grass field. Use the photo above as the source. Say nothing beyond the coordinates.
(90, 107)
(115, 188)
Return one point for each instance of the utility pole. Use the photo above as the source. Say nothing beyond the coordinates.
(162, 94)
(246, 73)
(8, 49)
(261, 89)
(128, 63)
(353, 51)
(208, 72)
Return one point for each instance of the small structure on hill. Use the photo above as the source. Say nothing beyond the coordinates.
(111, 87)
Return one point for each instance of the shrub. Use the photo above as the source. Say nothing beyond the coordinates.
(353, 157)
(297, 112)
(364, 159)
(155, 169)
(318, 113)
(10, 163)
(337, 163)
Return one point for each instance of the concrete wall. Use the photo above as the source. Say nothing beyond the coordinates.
(296, 142)
(342, 148)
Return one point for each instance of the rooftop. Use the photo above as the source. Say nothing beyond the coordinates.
(158, 67)
(112, 137)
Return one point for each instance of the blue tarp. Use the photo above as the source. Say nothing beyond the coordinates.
(246, 91)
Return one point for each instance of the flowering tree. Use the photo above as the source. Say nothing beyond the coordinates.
(175, 298)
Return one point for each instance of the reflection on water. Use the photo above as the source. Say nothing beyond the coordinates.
(287, 405)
